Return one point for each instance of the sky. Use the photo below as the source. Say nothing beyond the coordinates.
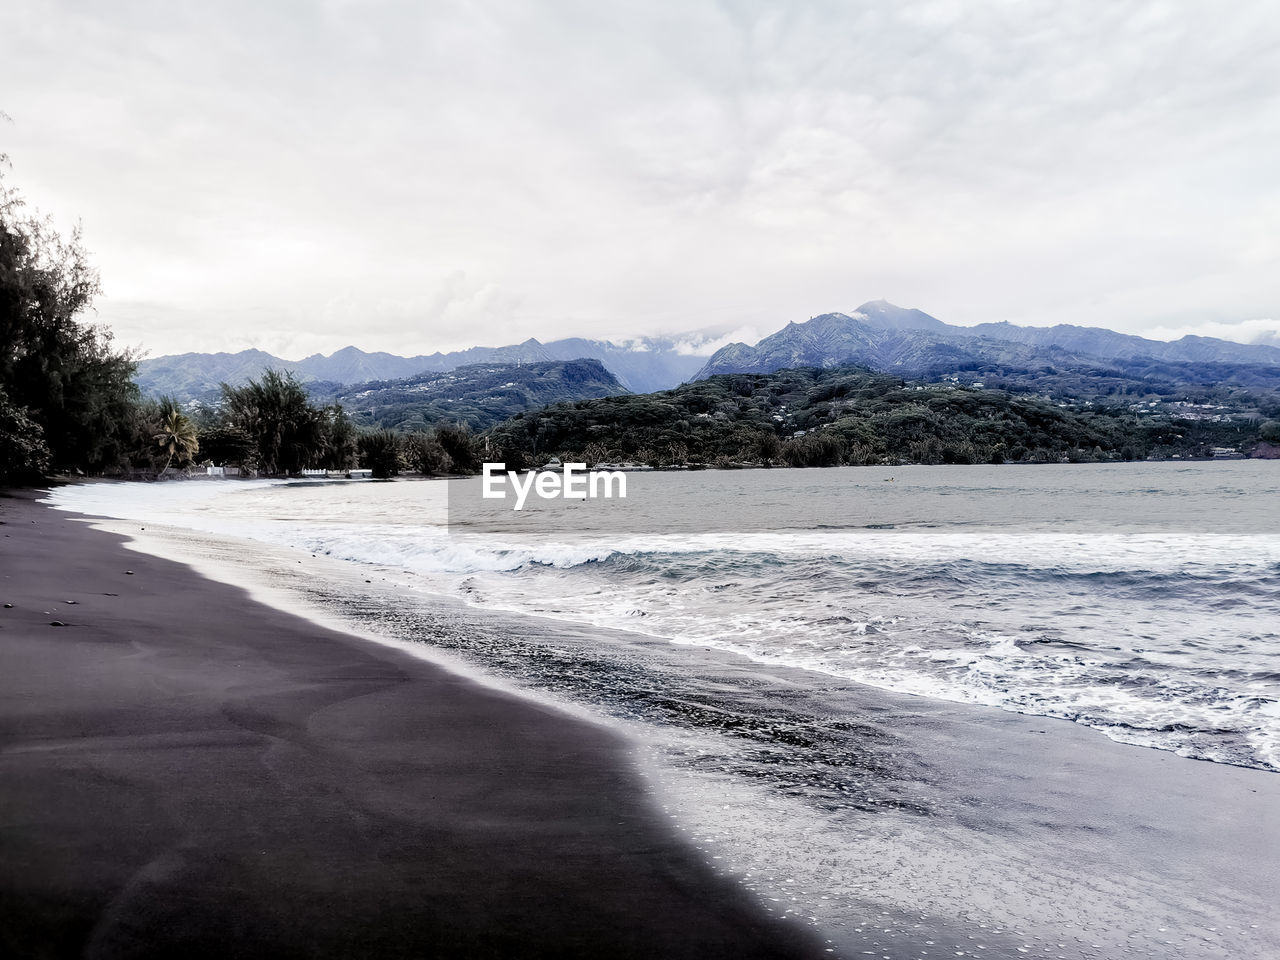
(411, 177)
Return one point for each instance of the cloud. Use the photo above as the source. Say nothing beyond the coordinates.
(705, 345)
(1264, 331)
(415, 177)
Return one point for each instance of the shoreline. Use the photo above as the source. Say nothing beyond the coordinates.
(1035, 835)
(191, 771)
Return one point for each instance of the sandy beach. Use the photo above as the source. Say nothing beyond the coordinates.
(189, 773)
(268, 756)
(639, 481)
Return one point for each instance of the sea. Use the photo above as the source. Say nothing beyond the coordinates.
(748, 621)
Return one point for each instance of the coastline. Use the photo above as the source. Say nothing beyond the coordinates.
(965, 827)
(190, 771)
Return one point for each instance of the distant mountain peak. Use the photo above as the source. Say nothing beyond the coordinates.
(641, 365)
(879, 334)
(890, 316)
(886, 337)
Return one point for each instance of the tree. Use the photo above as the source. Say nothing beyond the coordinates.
(228, 446)
(24, 455)
(460, 445)
(380, 453)
(176, 438)
(286, 431)
(339, 437)
(62, 374)
(425, 453)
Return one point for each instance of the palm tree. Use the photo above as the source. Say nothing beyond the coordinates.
(177, 438)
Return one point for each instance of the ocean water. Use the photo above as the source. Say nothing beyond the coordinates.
(793, 655)
(1141, 600)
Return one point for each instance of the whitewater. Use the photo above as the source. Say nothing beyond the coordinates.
(1140, 600)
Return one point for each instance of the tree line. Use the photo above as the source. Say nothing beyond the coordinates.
(67, 398)
(811, 417)
(68, 403)
(271, 426)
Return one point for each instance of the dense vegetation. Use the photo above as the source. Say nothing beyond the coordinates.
(1242, 389)
(478, 396)
(67, 400)
(271, 426)
(811, 417)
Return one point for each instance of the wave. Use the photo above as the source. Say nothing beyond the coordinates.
(1159, 639)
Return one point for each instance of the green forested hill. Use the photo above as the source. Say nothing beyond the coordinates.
(851, 415)
(479, 395)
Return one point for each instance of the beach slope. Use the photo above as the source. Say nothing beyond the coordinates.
(185, 772)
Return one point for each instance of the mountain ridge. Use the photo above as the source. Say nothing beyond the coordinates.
(641, 365)
(478, 395)
(899, 340)
(878, 334)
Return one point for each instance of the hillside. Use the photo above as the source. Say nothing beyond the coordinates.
(878, 335)
(819, 417)
(884, 337)
(642, 364)
(1110, 345)
(478, 395)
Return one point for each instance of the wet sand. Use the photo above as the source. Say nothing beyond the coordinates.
(186, 772)
(889, 825)
(897, 826)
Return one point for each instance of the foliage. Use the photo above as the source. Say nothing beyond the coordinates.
(340, 439)
(477, 396)
(270, 426)
(427, 455)
(176, 438)
(285, 431)
(813, 451)
(380, 452)
(823, 417)
(224, 444)
(456, 441)
(62, 374)
(24, 456)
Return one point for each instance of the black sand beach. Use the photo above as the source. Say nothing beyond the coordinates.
(300, 789)
(184, 772)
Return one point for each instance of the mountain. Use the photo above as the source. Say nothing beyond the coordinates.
(479, 394)
(886, 316)
(837, 339)
(1092, 341)
(187, 376)
(642, 364)
(878, 334)
(884, 337)
(1110, 345)
(351, 365)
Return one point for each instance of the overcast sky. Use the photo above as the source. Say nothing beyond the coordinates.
(412, 176)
